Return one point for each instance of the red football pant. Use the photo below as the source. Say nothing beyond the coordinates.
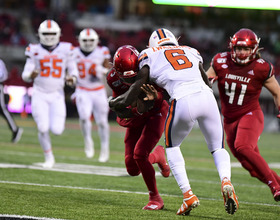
(242, 138)
(139, 142)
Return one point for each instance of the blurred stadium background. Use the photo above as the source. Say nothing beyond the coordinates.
(120, 22)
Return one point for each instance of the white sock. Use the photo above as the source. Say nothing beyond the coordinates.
(104, 133)
(222, 162)
(177, 166)
(45, 142)
(86, 130)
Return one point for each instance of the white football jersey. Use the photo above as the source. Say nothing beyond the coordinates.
(174, 68)
(91, 66)
(51, 65)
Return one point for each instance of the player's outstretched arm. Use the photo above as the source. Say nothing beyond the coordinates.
(132, 94)
(273, 87)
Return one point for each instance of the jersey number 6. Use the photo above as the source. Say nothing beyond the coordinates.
(178, 59)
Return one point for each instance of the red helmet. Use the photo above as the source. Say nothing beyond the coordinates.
(126, 62)
(244, 38)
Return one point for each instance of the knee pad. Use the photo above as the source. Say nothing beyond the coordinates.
(57, 131)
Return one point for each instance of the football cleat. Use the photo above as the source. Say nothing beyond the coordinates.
(162, 164)
(104, 156)
(89, 151)
(49, 162)
(153, 205)
(190, 202)
(276, 195)
(230, 198)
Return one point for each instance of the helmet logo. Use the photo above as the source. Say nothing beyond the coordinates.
(165, 39)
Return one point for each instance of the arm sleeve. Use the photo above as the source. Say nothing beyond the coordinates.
(29, 67)
(71, 64)
(3, 71)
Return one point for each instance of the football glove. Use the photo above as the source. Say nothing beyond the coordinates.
(212, 80)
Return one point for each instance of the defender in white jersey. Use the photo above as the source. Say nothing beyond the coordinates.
(90, 94)
(178, 69)
(46, 66)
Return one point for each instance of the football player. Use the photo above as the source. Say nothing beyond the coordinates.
(16, 131)
(144, 122)
(90, 94)
(46, 65)
(241, 74)
(178, 70)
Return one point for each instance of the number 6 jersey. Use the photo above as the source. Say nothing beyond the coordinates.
(51, 66)
(174, 68)
(240, 86)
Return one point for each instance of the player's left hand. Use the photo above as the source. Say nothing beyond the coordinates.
(71, 81)
(150, 91)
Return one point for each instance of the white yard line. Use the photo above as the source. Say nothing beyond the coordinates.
(25, 217)
(120, 191)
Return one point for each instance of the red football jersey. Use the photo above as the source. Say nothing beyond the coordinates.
(240, 85)
(118, 88)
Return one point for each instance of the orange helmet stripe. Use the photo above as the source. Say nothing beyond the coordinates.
(88, 32)
(161, 33)
(49, 24)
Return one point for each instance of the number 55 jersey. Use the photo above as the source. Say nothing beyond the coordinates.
(240, 85)
(51, 66)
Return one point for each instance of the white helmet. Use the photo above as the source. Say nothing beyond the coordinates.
(88, 39)
(49, 33)
(161, 37)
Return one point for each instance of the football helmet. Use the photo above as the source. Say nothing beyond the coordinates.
(125, 62)
(88, 39)
(49, 33)
(244, 38)
(162, 37)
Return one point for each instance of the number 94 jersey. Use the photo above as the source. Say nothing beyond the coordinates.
(240, 85)
(90, 67)
(174, 68)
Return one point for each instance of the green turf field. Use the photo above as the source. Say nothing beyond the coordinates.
(73, 190)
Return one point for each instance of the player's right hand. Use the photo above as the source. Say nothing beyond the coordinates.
(278, 116)
(34, 74)
(212, 79)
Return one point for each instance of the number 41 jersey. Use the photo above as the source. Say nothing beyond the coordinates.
(240, 85)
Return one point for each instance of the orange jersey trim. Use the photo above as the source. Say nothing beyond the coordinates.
(91, 89)
(168, 124)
